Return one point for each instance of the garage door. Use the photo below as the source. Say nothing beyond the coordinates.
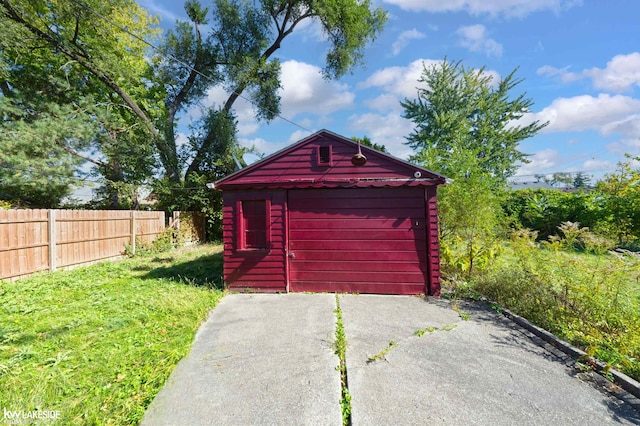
(357, 240)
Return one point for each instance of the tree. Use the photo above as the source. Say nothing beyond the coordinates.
(57, 108)
(619, 196)
(367, 142)
(238, 54)
(464, 129)
(471, 218)
(465, 110)
(581, 180)
(35, 170)
(559, 178)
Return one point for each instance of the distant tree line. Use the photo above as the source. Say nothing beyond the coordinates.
(609, 208)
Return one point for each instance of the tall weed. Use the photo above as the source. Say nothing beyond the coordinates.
(591, 299)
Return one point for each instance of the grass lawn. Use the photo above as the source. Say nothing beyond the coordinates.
(97, 343)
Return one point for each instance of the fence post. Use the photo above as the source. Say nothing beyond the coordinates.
(133, 232)
(52, 240)
(176, 221)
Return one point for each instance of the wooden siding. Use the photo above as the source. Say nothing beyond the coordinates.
(258, 270)
(41, 240)
(300, 166)
(358, 240)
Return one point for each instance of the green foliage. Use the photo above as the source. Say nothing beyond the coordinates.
(348, 25)
(464, 110)
(238, 54)
(469, 214)
(382, 354)
(581, 180)
(543, 210)
(68, 91)
(463, 315)
(367, 142)
(421, 331)
(609, 209)
(193, 196)
(98, 343)
(590, 300)
(618, 196)
(167, 240)
(464, 130)
(341, 351)
(574, 237)
(36, 168)
(135, 106)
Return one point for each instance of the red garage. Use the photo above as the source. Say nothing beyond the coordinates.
(325, 215)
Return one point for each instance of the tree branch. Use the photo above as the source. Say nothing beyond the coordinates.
(54, 41)
(283, 32)
(77, 154)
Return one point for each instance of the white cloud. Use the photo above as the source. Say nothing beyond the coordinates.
(508, 8)
(605, 114)
(263, 146)
(305, 91)
(396, 83)
(217, 96)
(621, 74)
(384, 103)
(625, 146)
(548, 161)
(563, 73)
(311, 30)
(404, 38)
(539, 162)
(181, 140)
(403, 81)
(389, 130)
(168, 16)
(629, 125)
(475, 38)
(400, 81)
(596, 165)
(297, 136)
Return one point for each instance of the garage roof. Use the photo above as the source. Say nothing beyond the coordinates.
(324, 160)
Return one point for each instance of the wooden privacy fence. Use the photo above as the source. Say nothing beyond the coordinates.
(44, 240)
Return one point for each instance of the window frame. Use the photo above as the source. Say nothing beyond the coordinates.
(319, 157)
(241, 243)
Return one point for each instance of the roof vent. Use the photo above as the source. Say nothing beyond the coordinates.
(324, 155)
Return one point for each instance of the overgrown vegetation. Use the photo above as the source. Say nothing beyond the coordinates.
(547, 255)
(609, 209)
(571, 286)
(98, 343)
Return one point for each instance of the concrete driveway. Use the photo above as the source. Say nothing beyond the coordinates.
(269, 359)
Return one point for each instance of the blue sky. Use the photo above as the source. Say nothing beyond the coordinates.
(580, 61)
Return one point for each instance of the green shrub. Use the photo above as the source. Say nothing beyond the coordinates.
(543, 209)
(589, 298)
